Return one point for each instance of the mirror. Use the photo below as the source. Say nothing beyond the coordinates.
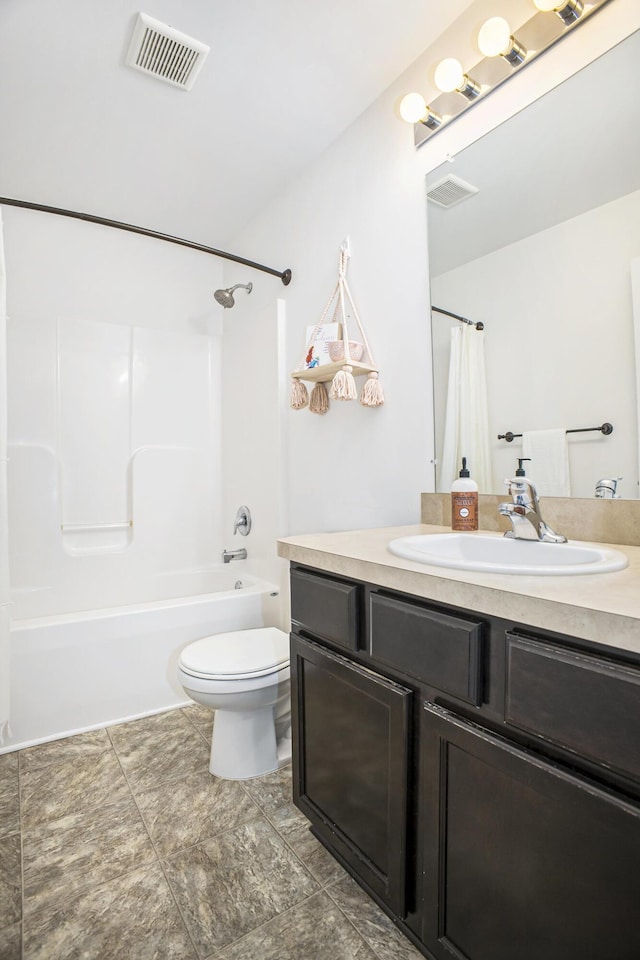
(545, 255)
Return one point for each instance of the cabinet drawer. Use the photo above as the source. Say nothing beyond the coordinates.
(579, 701)
(326, 607)
(439, 649)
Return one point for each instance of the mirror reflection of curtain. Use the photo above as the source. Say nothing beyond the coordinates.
(635, 295)
(466, 432)
(4, 523)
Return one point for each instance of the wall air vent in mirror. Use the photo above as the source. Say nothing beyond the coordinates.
(450, 190)
(162, 52)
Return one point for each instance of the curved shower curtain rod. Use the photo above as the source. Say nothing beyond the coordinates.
(456, 316)
(285, 275)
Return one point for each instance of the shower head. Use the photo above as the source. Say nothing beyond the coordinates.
(225, 297)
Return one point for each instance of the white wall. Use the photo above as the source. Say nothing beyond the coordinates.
(114, 414)
(575, 327)
(359, 467)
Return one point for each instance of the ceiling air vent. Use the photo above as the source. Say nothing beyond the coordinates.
(450, 190)
(160, 51)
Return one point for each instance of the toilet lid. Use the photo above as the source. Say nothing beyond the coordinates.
(238, 654)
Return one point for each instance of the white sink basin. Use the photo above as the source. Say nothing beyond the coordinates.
(486, 553)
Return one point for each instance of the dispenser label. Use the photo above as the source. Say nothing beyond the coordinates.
(464, 511)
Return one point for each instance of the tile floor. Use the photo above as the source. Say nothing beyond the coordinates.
(119, 844)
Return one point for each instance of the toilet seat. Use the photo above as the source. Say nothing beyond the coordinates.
(237, 655)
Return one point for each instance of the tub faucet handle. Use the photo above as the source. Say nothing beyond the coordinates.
(242, 522)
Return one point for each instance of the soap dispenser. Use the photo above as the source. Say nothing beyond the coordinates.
(464, 501)
(520, 471)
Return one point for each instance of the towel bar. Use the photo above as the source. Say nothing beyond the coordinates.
(605, 428)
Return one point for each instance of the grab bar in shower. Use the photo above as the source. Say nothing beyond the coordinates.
(97, 526)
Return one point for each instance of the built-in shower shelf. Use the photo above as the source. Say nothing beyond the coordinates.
(327, 371)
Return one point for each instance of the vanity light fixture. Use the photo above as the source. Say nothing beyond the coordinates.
(496, 40)
(501, 48)
(568, 11)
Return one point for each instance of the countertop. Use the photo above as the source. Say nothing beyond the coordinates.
(604, 608)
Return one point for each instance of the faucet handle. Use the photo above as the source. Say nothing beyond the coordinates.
(522, 490)
(242, 522)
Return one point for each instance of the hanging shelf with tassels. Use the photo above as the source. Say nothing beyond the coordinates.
(341, 373)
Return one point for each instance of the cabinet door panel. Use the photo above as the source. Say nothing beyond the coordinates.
(525, 860)
(350, 763)
(583, 702)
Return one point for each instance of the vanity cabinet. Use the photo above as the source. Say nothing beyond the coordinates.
(480, 778)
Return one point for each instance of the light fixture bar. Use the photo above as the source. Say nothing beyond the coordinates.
(495, 40)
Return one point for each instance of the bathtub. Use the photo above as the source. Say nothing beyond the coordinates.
(82, 671)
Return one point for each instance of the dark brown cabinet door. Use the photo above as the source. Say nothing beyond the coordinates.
(523, 859)
(350, 764)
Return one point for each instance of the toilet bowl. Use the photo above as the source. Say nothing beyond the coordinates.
(244, 676)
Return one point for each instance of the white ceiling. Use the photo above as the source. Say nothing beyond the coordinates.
(81, 130)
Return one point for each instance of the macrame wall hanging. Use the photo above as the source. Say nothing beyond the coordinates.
(349, 358)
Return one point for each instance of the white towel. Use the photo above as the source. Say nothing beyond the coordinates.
(549, 467)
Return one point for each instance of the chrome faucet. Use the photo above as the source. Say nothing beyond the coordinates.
(229, 555)
(524, 513)
(608, 488)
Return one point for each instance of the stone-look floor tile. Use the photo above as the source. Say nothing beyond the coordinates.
(314, 930)
(181, 813)
(70, 748)
(133, 917)
(232, 884)
(385, 939)
(74, 786)
(9, 795)
(11, 942)
(293, 827)
(199, 714)
(61, 857)
(202, 718)
(164, 747)
(273, 790)
(10, 881)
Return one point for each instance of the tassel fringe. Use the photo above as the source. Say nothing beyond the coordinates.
(299, 395)
(372, 394)
(319, 402)
(343, 386)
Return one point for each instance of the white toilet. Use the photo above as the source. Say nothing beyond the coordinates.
(244, 676)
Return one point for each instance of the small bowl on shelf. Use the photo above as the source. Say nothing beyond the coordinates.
(336, 350)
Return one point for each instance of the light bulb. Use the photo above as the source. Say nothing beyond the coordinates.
(413, 107)
(568, 10)
(494, 39)
(449, 75)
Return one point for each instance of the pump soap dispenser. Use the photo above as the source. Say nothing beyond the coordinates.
(464, 501)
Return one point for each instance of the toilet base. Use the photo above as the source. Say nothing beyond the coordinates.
(284, 748)
(243, 745)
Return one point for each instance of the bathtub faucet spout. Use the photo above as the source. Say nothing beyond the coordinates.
(229, 555)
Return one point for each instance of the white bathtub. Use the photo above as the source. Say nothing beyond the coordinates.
(77, 672)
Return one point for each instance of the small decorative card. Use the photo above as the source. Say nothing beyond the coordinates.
(317, 338)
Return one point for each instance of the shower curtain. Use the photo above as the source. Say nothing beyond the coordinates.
(4, 521)
(466, 432)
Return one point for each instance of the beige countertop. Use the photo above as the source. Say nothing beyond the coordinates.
(603, 607)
